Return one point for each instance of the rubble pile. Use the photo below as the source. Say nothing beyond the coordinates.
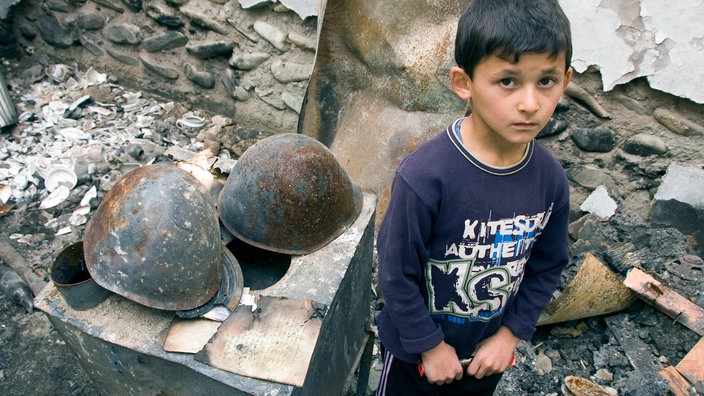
(87, 124)
(633, 157)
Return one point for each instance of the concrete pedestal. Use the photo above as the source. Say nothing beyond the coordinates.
(119, 342)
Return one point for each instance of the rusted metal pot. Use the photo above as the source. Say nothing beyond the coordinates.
(155, 239)
(289, 194)
(71, 277)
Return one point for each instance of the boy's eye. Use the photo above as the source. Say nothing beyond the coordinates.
(547, 82)
(507, 82)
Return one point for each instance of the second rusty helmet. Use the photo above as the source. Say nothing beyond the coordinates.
(155, 239)
(288, 193)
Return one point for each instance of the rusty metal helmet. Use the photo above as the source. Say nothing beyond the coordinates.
(155, 239)
(288, 193)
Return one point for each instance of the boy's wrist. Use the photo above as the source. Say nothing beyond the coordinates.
(506, 333)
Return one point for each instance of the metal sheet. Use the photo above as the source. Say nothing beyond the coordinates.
(380, 84)
(594, 290)
(274, 341)
(189, 335)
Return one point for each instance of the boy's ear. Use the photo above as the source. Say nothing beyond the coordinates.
(568, 78)
(461, 83)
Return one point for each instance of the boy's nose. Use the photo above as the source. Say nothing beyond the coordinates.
(529, 101)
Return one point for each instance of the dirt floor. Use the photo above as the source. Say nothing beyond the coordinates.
(34, 360)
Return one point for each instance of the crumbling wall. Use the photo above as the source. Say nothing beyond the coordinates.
(250, 64)
(627, 39)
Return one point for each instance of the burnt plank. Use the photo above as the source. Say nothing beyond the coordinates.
(692, 365)
(666, 300)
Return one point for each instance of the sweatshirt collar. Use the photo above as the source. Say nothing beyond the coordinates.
(453, 132)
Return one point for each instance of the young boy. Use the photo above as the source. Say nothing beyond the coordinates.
(475, 235)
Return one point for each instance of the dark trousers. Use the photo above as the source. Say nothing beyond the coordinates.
(399, 378)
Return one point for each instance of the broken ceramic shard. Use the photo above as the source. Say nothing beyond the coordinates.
(60, 175)
(57, 196)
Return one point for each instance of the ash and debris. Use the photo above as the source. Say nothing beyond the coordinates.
(87, 122)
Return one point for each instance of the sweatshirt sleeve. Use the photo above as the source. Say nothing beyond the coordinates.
(548, 258)
(402, 251)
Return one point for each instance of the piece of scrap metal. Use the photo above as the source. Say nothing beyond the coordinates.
(274, 341)
(595, 290)
(671, 303)
(189, 335)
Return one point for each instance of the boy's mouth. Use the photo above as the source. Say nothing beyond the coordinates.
(524, 125)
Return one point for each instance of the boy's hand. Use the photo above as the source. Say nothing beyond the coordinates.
(494, 354)
(441, 364)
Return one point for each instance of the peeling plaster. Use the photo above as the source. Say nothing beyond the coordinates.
(627, 39)
(304, 8)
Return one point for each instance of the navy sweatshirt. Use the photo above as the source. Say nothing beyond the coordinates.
(465, 248)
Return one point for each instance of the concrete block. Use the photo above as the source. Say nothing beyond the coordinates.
(679, 202)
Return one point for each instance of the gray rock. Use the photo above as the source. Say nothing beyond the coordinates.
(230, 80)
(241, 94)
(644, 145)
(90, 21)
(59, 6)
(599, 140)
(632, 104)
(294, 103)
(165, 42)
(211, 50)
(121, 57)
(53, 32)
(205, 22)
(27, 30)
(589, 177)
(123, 33)
(202, 78)
(677, 123)
(270, 98)
(553, 127)
(248, 61)
(90, 46)
(286, 72)
(133, 5)
(272, 34)
(302, 41)
(164, 19)
(153, 65)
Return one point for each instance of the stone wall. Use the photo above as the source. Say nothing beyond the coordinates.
(248, 64)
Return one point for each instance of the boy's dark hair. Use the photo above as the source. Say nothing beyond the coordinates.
(510, 28)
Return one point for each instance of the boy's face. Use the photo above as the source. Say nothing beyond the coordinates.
(512, 102)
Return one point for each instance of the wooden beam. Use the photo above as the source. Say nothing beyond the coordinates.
(692, 365)
(678, 384)
(672, 304)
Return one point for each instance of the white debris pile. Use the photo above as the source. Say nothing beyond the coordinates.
(77, 133)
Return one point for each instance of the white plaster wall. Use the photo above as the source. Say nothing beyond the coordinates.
(658, 39)
(661, 40)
